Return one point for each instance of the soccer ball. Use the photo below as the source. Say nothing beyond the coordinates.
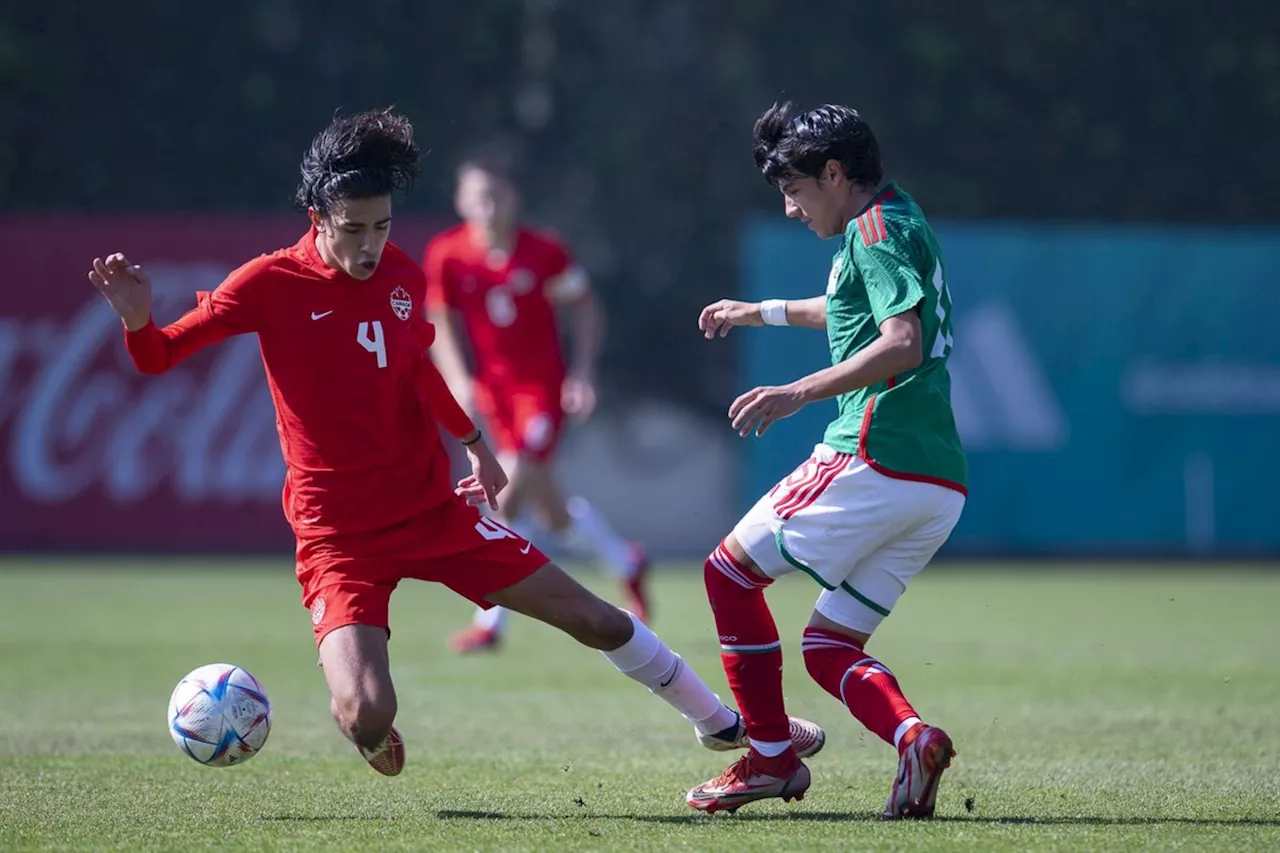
(219, 715)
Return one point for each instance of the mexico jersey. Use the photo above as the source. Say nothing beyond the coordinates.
(889, 263)
(507, 302)
(342, 357)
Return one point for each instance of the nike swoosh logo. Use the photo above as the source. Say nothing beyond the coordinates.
(317, 316)
(525, 549)
(674, 673)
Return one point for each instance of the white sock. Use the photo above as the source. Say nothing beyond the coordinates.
(594, 529)
(494, 619)
(770, 749)
(646, 659)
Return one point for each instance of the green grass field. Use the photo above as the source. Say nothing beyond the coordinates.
(1097, 708)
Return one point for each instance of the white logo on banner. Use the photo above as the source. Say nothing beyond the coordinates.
(81, 422)
(1001, 398)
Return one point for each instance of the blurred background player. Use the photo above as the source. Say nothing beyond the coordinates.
(495, 288)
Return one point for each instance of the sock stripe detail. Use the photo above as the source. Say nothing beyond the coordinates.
(870, 666)
(816, 638)
(751, 648)
(724, 563)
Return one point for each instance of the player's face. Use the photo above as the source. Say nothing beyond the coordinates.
(485, 201)
(354, 234)
(817, 202)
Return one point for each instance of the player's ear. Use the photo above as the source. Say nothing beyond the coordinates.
(315, 218)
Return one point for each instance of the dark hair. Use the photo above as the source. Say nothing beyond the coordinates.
(364, 155)
(799, 146)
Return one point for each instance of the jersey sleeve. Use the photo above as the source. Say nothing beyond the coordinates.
(233, 308)
(438, 294)
(564, 280)
(891, 276)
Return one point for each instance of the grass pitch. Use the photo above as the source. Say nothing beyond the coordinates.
(1093, 709)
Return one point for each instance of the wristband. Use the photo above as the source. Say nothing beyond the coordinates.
(774, 312)
(479, 435)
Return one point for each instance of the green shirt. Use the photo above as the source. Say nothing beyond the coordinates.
(889, 263)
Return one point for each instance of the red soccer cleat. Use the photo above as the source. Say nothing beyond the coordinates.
(752, 777)
(635, 587)
(388, 758)
(920, 767)
(474, 639)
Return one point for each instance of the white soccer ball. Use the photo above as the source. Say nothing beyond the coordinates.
(219, 715)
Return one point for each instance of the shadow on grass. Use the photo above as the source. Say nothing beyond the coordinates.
(861, 817)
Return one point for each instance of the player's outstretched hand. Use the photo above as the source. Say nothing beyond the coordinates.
(578, 397)
(760, 407)
(487, 477)
(126, 287)
(724, 315)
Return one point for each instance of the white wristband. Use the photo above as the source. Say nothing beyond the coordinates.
(774, 312)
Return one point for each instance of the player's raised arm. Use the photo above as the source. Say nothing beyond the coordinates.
(447, 350)
(154, 350)
(723, 315)
(572, 289)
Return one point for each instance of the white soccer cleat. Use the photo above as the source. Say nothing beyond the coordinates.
(807, 738)
(388, 757)
(919, 770)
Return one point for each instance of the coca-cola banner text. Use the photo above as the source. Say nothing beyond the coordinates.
(94, 455)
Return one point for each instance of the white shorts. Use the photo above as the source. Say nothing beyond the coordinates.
(860, 534)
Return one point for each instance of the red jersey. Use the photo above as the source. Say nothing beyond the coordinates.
(507, 302)
(354, 391)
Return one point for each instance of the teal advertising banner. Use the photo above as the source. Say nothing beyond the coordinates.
(1117, 389)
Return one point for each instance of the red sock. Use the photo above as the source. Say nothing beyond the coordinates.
(861, 682)
(749, 647)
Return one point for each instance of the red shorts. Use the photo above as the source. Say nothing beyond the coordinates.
(522, 419)
(348, 580)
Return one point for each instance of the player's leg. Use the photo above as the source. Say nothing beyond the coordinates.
(490, 565)
(844, 620)
(751, 653)
(550, 595)
(785, 531)
(357, 669)
(349, 604)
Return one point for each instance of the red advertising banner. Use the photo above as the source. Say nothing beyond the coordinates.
(95, 455)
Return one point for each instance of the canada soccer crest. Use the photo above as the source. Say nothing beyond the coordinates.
(401, 303)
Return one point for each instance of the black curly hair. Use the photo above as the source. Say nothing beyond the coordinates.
(363, 155)
(799, 146)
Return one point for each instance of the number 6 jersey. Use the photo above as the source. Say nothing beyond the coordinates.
(357, 400)
(507, 303)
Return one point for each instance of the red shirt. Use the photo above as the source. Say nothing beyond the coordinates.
(507, 303)
(353, 389)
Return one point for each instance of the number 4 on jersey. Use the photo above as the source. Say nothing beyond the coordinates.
(492, 531)
(369, 336)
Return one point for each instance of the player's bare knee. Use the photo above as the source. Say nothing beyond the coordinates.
(603, 626)
(365, 718)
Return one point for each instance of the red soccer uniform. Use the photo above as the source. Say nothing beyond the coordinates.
(367, 487)
(508, 309)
